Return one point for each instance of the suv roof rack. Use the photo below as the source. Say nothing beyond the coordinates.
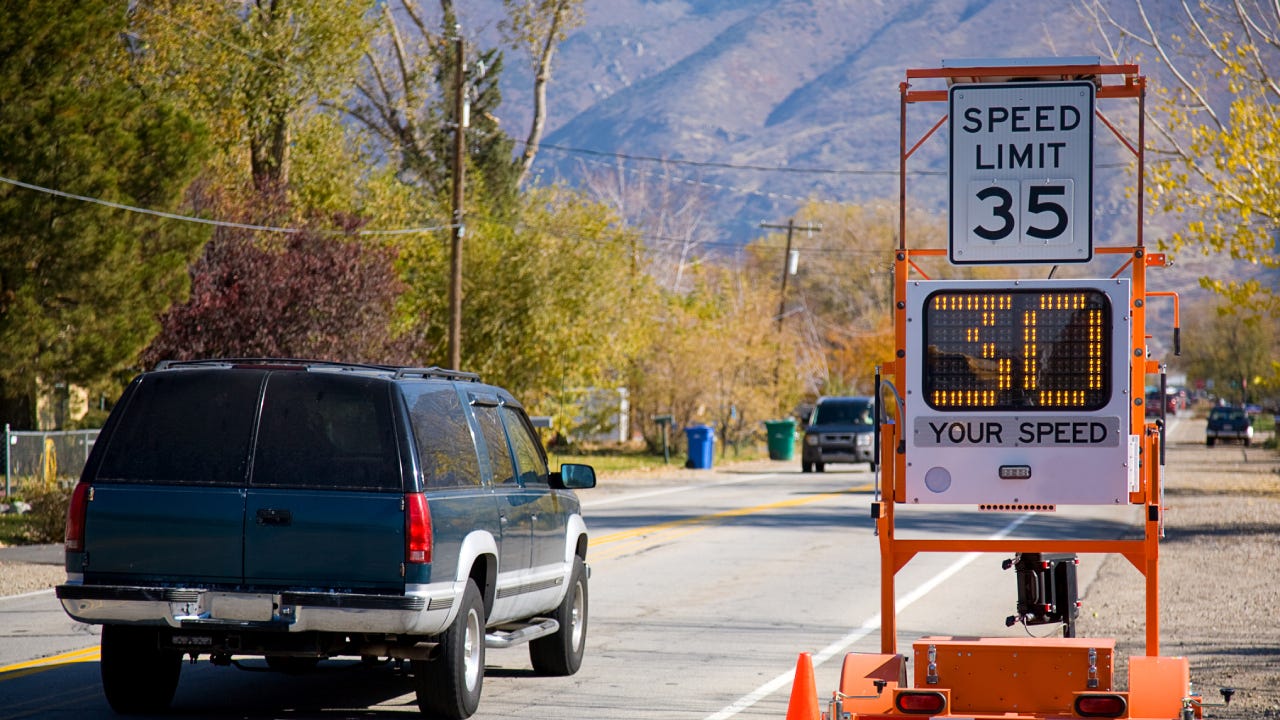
(437, 372)
(273, 362)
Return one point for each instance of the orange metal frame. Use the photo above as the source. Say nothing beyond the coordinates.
(1143, 553)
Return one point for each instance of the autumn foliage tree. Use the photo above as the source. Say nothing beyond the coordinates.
(312, 293)
(1217, 128)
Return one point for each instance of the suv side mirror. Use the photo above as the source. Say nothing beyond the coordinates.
(572, 476)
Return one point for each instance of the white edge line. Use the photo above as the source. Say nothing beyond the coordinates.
(26, 595)
(667, 491)
(867, 627)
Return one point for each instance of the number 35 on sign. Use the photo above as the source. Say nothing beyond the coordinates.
(1021, 172)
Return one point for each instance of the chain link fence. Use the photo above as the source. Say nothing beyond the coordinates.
(47, 457)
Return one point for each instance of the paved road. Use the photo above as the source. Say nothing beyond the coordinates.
(705, 586)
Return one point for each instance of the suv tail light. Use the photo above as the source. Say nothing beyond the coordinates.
(75, 518)
(417, 527)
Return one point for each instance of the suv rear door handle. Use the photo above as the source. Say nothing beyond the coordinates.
(274, 516)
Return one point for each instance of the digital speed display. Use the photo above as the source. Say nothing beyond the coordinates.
(1017, 350)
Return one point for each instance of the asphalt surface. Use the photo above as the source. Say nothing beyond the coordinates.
(38, 554)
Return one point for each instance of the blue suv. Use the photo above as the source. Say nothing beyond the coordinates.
(298, 510)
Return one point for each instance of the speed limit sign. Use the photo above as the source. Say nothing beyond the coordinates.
(1021, 172)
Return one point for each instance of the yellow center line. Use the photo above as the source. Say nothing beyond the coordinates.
(668, 528)
(11, 672)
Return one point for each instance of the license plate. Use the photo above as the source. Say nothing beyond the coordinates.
(249, 608)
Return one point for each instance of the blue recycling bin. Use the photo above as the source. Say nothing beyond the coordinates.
(702, 441)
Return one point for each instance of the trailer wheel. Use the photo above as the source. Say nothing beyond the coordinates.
(561, 652)
(138, 677)
(806, 467)
(820, 467)
(449, 686)
(1208, 441)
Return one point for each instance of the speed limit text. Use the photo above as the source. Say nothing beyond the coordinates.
(1019, 119)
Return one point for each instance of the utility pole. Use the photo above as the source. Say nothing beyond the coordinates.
(787, 269)
(459, 177)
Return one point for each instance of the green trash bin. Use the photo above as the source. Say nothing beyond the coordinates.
(781, 438)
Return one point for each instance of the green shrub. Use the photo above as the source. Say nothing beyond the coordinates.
(47, 521)
(13, 529)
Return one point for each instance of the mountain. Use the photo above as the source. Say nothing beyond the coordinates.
(793, 85)
(760, 105)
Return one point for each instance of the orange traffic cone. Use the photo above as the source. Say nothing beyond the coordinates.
(804, 692)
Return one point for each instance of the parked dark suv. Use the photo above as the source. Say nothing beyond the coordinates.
(299, 510)
(839, 431)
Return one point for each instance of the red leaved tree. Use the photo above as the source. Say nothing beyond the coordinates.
(307, 294)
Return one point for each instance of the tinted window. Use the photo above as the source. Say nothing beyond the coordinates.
(857, 413)
(446, 451)
(496, 439)
(533, 467)
(192, 426)
(1227, 414)
(328, 431)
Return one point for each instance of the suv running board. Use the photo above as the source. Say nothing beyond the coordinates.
(505, 636)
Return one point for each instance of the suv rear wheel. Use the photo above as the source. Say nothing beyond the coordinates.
(138, 677)
(449, 686)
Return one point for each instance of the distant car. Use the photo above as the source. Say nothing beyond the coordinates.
(839, 431)
(1154, 405)
(1228, 423)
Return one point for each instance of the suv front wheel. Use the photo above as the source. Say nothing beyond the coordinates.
(561, 652)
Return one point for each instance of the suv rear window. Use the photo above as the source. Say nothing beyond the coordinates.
(191, 427)
(1221, 414)
(324, 430)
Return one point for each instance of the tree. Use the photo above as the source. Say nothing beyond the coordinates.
(556, 302)
(309, 294)
(539, 26)
(268, 76)
(1217, 129)
(81, 284)
(257, 70)
(753, 375)
(670, 215)
(405, 99)
(1237, 351)
(838, 303)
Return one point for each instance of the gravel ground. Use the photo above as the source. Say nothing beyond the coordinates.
(1217, 566)
(1218, 603)
(18, 577)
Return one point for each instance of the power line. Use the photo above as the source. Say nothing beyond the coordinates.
(754, 168)
(651, 237)
(724, 165)
(705, 183)
(216, 223)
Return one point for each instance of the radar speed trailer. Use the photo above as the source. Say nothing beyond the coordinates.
(1017, 395)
